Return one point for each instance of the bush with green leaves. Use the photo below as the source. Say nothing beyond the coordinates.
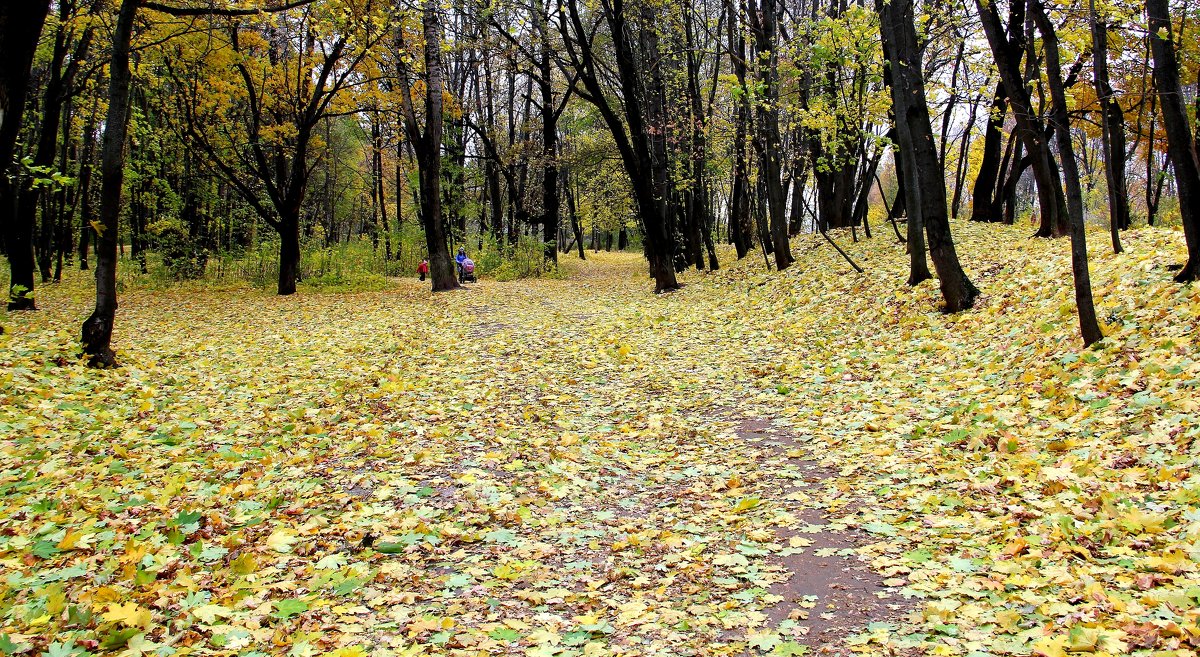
(183, 256)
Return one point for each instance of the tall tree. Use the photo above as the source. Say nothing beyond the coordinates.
(427, 144)
(66, 56)
(909, 193)
(1088, 326)
(763, 20)
(985, 201)
(1180, 147)
(98, 328)
(550, 111)
(1051, 198)
(741, 224)
(1112, 123)
(20, 26)
(915, 132)
(641, 145)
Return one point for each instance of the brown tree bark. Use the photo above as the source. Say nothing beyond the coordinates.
(1180, 147)
(1112, 122)
(97, 329)
(915, 133)
(1089, 328)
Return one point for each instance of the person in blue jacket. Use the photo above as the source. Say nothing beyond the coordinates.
(458, 260)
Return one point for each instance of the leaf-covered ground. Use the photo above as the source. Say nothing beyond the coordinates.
(551, 468)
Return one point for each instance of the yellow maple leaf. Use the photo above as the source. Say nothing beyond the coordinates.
(1051, 646)
(129, 614)
(208, 613)
(746, 503)
(281, 540)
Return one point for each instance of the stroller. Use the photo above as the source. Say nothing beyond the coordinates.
(466, 272)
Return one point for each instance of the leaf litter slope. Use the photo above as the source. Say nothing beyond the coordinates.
(540, 468)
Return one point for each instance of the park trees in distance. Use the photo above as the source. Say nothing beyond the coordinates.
(275, 78)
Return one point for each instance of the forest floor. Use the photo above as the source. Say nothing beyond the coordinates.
(761, 463)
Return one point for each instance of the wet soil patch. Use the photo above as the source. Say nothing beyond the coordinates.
(830, 592)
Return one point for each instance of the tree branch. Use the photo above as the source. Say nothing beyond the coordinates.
(214, 11)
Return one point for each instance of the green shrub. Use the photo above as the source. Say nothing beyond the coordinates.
(182, 256)
(356, 265)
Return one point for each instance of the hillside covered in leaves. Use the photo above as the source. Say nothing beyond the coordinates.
(554, 467)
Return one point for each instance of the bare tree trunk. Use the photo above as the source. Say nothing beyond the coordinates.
(909, 195)
(575, 227)
(763, 22)
(1180, 147)
(1112, 122)
(1006, 52)
(20, 26)
(289, 252)
(915, 131)
(97, 329)
(551, 202)
(429, 156)
(1089, 328)
(741, 224)
(960, 170)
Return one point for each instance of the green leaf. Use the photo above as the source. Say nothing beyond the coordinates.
(285, 609)
(503, 536)
(881, 528)
(7, 646)
(961, 565)
(185, 518)
(919, 556)
(116, 639)
(45, 549)
(60, 649)
(505, 634)
(789, 649)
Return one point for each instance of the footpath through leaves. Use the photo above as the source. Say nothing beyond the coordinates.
(551, 468)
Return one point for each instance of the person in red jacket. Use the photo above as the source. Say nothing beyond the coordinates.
(423, 268)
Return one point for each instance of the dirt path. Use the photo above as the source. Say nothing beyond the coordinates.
(824, 590)
(829, 592)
